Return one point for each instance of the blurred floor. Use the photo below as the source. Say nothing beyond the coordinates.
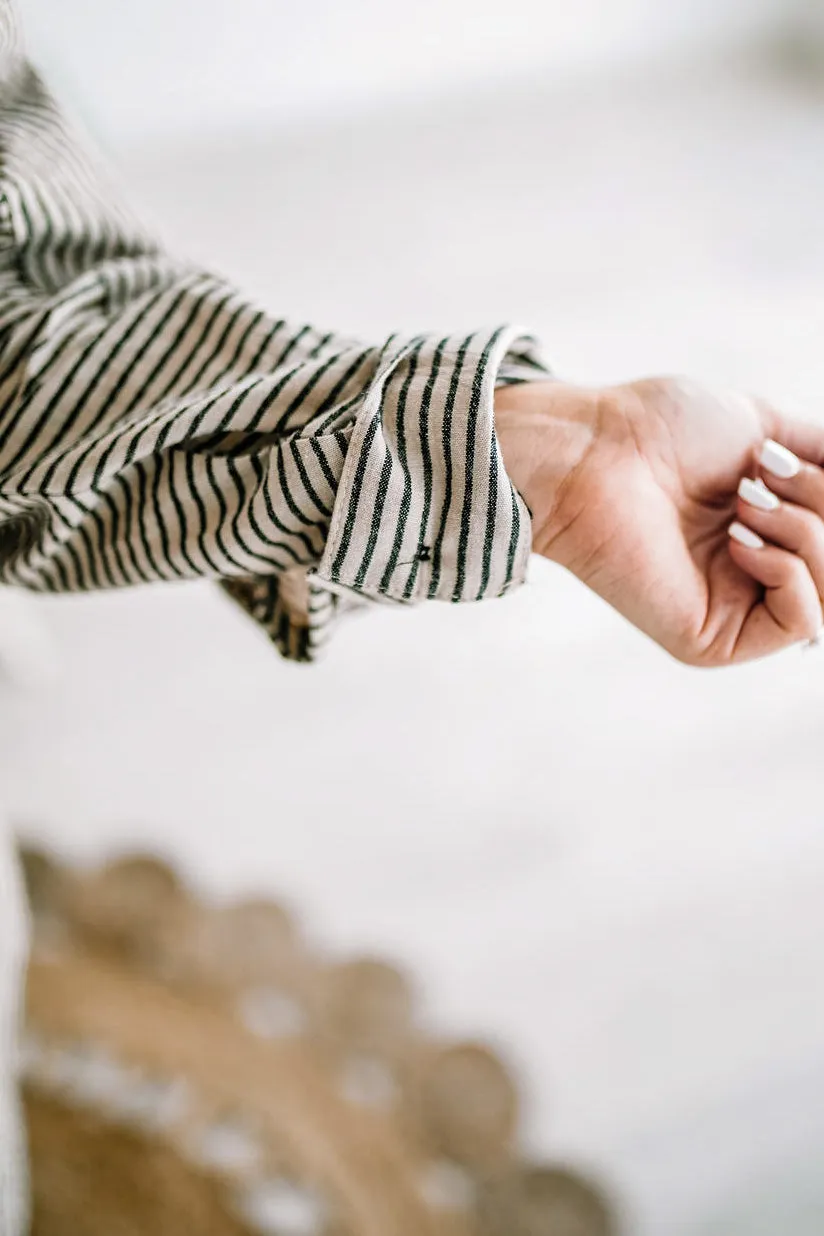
(619, 873)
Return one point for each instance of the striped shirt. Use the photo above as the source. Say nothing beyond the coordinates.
(155, 424)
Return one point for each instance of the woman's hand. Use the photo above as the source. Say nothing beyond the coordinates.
(635, 490)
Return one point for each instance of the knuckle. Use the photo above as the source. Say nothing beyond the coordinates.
(797, 575)
(809, 533)
(791, 572)
(810, 486)
(812, 626)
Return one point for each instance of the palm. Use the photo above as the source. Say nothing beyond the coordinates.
(673, 489)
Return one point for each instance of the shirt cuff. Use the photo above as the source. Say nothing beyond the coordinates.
(425, 509)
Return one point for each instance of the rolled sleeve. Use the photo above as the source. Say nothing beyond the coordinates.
(424, 508)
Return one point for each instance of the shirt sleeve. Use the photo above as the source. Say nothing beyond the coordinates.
(157, 425)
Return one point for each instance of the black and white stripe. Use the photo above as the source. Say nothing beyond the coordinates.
(156, 425)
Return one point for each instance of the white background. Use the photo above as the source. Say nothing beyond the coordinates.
(163, 68)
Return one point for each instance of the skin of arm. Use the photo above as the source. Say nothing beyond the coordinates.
(637, 489)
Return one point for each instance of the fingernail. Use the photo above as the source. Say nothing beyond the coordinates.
(778, 460)
(745, 536)
(756, 494)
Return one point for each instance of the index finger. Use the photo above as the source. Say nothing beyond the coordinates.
(800, 434)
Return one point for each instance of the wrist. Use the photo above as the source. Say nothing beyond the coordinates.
(546, 432)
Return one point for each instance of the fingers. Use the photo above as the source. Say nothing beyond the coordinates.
(784, 508)
(791, 477)
(798, 529)
(791, 611)
(804, 438)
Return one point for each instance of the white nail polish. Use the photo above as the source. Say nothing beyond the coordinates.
(745, 536)
(778, 460)
(756, 494)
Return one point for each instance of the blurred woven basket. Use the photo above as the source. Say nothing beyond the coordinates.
(191, 1068)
